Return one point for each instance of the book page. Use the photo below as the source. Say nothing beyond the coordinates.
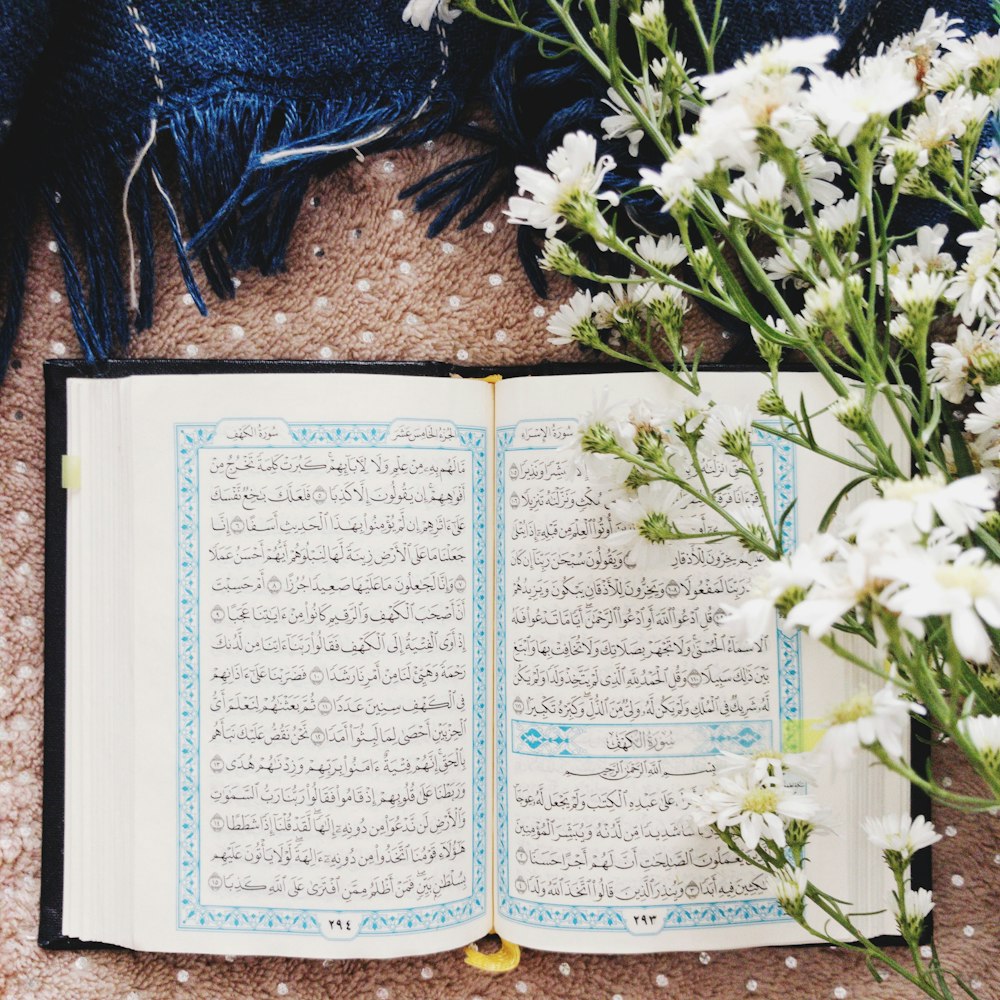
(618, 689)
(314, 604)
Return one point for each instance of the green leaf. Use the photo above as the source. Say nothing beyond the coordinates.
(831, 511)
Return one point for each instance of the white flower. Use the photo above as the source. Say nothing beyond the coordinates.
(818, 174)
(964, 62)
(767, 767)
(654, 516)
(568, 192)
(954, 365)
(987, 169)
(420, 13)
(975, 288)
(783, 267)
(983, 732)
(921, 45)
(790, 576)
(760, 811)
(966, 588)
(687, 414)
(573, 320)
(824, 302)
(650, 19)
(607, 419)
(761, 190)
(773, 59)
(623, 122)
(664, 252)
(901, 834)
(841, 583)
(844, 104)
(868, 720)
(724, 136)
(919, 293)
(840, 216)
(924, 255)
(917, 903)
(789, 886)
(960, 505)
(728, 429)
(986, 419)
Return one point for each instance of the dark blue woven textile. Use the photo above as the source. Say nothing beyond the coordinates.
(250, 98)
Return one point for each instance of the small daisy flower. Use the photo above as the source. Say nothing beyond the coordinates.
(573, 321)
(774, 59)
(924, 255)
(960, 505)
(845, 104)
(867, 720)
(656, 515)
(622, 123)
(789, 885)
(728, 430)
(983, 732)
(966, 588)
(568, 193)
(914, 907)
(955, 366)
(975, 288)
(901, 835)
(664, 252)
(973, 62)
(759, 192)
(784, 582)
(986, 418)
(758, 811)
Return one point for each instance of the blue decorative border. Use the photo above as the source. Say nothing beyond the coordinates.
(675, 915)
(191, 914)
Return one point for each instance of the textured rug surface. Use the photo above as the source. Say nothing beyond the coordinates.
(363, 282)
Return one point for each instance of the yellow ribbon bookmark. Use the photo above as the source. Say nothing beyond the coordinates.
(71, 472)
(505, 959)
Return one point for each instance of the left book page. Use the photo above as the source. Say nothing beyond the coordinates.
(311, 603)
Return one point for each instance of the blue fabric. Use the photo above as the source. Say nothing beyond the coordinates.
(240, 91)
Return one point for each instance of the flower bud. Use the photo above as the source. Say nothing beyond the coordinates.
(599, 439)
(559, 256)
(913, 909)
(649, 442)
(902, 330)
(851, 411)
(986, 364)
(772, 405)
(789, 887)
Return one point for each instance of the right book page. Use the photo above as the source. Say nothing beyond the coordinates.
(618, 690)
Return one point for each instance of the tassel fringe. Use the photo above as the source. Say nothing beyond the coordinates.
(240, 168)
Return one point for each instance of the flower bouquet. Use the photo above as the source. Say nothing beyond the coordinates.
(851, 221)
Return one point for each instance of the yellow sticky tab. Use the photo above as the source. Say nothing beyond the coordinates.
(800, 735)
(505, 959)
(71, 472)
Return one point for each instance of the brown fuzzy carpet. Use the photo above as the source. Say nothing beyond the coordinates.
(363, 282)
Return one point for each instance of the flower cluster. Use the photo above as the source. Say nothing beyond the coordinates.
(900, 558)
(781, 193)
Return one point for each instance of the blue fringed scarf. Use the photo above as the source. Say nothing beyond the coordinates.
(246, 99)
(218, 112)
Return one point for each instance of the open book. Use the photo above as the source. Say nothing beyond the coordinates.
(354, 666)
